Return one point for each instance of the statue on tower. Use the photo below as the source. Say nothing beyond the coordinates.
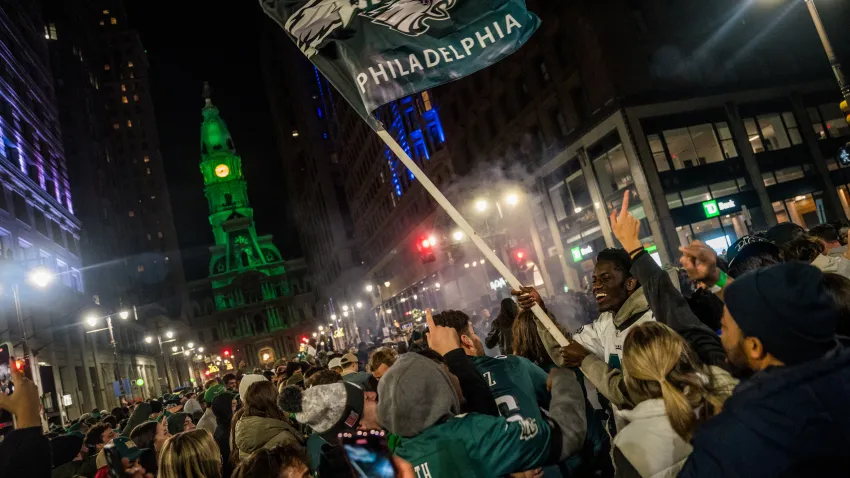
(207, 93)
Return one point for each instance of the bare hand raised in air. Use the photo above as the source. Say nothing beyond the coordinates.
(441, 339)
(626, 228)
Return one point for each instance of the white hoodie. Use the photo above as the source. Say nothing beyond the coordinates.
(649, 442)
(838, 265)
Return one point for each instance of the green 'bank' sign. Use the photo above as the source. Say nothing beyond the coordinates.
(714, 208)
(377, 51)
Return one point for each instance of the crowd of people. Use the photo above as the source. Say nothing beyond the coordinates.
(734, 366)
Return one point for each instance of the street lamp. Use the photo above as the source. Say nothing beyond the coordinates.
(200, 349)
(370, 288)
(187, 352)
(40, 277)
(149, 339)
(191, 345)
(458, 235)
(321, 328)
(359, 305)
(333, 316)
(481, 205)
(345, 314)
(124, 314)
(174, 348)
(512, 199)
(91, 320)
(387, 284)
(169, 334)
(344, 307)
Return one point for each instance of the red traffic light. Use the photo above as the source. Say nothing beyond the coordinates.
(520, 255)
(207, 373)
(227, 353)
(305, 339)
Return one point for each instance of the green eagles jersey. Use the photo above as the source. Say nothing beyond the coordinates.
(477, 446)
(517, 384)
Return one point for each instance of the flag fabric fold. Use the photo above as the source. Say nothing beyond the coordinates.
(377, 51)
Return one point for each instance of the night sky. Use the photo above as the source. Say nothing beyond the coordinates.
(219, 43)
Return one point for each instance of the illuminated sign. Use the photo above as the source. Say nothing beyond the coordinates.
(579, 252)
(713, 208)
(499, 283)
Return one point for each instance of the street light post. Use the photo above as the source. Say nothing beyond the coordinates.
(117, 369)
(830, 53)
(159, 340)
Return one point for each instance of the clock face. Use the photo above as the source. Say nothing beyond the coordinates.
(222, 170)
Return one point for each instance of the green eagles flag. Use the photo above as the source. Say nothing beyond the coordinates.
(377, 51)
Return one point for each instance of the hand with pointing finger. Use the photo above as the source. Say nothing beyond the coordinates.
(626, 228)
(700, 262)
(441, 339)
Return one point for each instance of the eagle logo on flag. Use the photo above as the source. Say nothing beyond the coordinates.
(317, 20)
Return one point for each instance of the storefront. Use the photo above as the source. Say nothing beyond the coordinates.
(718, 222)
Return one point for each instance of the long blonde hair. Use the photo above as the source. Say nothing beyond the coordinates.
(658, 363)
(192, 454)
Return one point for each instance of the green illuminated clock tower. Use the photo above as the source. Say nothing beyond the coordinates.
(237, 248)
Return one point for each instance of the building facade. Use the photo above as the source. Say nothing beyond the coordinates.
(716, 118)
(254, 304)
(39, 230)
(129, 241)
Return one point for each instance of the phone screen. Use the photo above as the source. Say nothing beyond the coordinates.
(368, 454)
(6, 386)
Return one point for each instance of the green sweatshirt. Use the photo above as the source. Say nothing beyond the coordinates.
(471, 446)
(517, 384)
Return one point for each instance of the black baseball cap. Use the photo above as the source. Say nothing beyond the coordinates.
(749, 246)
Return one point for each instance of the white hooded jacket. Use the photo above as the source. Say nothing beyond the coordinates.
(649, 442)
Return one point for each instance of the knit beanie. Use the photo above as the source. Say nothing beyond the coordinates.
(176, 422)
(416, 393)
(787, 307)
(213, 392)
(64, 448)
(247, 380)
(327, 409)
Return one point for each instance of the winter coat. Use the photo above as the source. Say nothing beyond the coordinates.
(784, 421)
(25, 452)
(254, 433)
(221, 410)
(501, 334)
(647, 445)
(207, 421)
(836, 265)
(86, 468)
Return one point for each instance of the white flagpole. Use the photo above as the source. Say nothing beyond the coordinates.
(465, 227)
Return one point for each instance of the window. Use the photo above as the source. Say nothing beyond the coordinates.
(159, 234)
(116, 125)
(123, 87)
(107, 67)
(106, 12)
(148, 171)
(113, 21)
(789, 174)
(140, 268)
(828, 121)
(40, 221)
(426, 101)
(580, 103)
(21, 208)
(753, 135)
(50, 32)
(695, 195)
(792, 128)
(129, 123)
(132, 213)
(130, 64)
(692, 146)
(773, 133)
(559, 124)
(612, 169)
(147, 159)
(102, 23)
(148, 235)
(136, 98)
(58, 236)
(656, 146)
(124, 100)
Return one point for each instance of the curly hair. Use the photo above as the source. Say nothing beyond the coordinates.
(454, 319)
(383, 356)
(804, 249)
(323, 377)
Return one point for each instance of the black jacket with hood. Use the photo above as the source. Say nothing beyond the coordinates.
(222, 408)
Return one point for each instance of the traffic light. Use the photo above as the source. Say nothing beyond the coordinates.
(226, 353)
(521, 258)
(304, 339)
(845, 108)
(425, 246)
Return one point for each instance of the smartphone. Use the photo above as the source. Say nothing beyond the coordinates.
(6, 386)
(368, 454)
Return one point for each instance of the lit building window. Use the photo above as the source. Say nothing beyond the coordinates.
(130, 64)
(101, 23)
(106, 12)
(132, 75)
(148, 171)
(147, 159)
(148, 235)
(113, 21)
(132, 214)
(124, 100)
(136, 98)
(129, 123)
(116, 125)
(426, 100)
(123, 87)
(106, 67)
(295, 133)
(52, 30)
(159, 235)
(140, 268)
